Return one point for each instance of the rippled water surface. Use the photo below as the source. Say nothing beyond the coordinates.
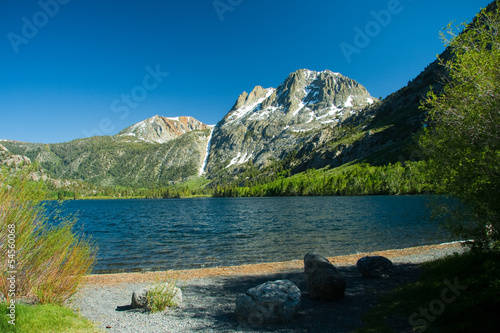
(137, 235)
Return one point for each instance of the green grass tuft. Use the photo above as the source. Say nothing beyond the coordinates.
(162, 295)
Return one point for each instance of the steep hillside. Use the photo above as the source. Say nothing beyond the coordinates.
(383, 133)
(12, 163)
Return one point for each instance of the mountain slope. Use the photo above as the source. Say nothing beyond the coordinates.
(119, 161)
(269, 124)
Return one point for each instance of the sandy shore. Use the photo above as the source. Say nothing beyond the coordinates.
(417, 254)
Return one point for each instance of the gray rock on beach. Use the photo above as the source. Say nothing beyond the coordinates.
(140, 298)
(272, 302)
(324, 281)
(375, 267)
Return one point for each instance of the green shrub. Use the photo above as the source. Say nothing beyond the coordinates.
(47, 260)
(462, 140)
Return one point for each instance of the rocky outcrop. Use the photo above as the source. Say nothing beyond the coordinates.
(375, 267)
(271, 123)
(269, 303)
(324, 281)
(12, 160)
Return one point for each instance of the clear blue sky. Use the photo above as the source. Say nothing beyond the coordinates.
(67, 66)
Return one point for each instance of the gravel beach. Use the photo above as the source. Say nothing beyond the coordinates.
(210, 294)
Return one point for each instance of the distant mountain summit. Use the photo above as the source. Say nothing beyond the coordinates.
(270, 123)
(160, 129)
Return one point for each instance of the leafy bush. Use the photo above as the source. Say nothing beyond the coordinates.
(49, 260)
(462, 140)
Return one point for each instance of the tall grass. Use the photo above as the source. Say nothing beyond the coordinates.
(50, 259)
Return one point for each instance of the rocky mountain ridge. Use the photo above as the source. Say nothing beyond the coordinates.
(160, 129)
(319, 118)
(270, 123)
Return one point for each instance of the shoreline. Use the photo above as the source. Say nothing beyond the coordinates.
(396, 255)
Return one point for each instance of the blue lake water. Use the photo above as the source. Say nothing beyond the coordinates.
(142, 235)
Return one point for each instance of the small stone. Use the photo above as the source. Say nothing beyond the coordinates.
(140, 299)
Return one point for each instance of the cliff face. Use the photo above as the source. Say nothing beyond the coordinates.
(270, 123)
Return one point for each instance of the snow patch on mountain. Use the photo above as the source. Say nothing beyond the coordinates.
(348, 103)
(207, 151)
(240, 113)
(240, 159)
